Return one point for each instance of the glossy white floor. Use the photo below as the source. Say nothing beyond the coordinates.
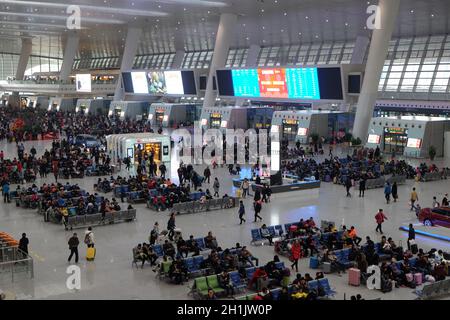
(111, 276)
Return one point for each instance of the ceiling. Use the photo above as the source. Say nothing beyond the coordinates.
(191, 24)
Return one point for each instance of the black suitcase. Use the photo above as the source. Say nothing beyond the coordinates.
(414, 248)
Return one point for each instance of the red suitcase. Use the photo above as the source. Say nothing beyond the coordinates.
(354, 277)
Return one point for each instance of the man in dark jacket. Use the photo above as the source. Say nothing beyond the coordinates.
(23, 243)
(73, 246)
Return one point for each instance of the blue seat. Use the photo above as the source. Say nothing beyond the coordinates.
(272, 231)
(313, 285)
(190, 266)
(198, 260)
(276, 293)
(249, 272)
(256, 235)
(201, 243)
(236, 280)
(287, 226)
(279, 230)
(326, 287)
(279, 265)
(157, 248)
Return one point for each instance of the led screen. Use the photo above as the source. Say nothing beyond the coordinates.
(303, 83)
(174, 82)
(139, 80)
(127, 82)
(83, 82)
(156, 82)
(245, 82)
(272, 83)
(302, 131)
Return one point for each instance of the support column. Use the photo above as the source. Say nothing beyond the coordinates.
(178, 59)
(221, 48)
(129, 52)
(251, 62)
(359, 52)
(388, 10)
(70, 50)
(25, 53)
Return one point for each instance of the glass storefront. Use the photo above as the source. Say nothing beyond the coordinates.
(395, 140)
(290, 129)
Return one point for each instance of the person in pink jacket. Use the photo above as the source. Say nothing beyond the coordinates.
(380, 217)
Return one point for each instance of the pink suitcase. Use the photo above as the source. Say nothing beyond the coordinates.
(354, 277)
(418, 278)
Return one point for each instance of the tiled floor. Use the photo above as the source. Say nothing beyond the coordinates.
(111, 276)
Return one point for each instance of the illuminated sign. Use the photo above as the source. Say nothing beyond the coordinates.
(302, 131)
(414, 143)
(290, 121)
(374, 138)
(275, 156)
(216, 115)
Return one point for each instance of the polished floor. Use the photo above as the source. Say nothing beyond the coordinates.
(111, 275)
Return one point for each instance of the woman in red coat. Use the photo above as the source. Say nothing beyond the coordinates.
(296, 253)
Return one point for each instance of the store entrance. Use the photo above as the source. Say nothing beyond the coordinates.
(159, 117)
(83, 108)
(147, 148)
(216, 120)
(290, 129)
(395, 140)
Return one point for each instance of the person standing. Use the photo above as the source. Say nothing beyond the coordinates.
(207, 174)
(216, 187)
(445, 200)
(257, 206)
(362, 186)
(348, 185)
(296, 251)
(245, 186)
(73, 247)
(89, 238)
(5, 190)
(154, 233)
(241, 212)
(394, 191)
(435, 203)
(171, 226)
(414, 197)
(387, 192)
(380, 218)
(23, 243)
(411, 235)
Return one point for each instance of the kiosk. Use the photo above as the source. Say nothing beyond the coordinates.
(120, 146)
(408, 135)
(62, 104)
(93, 106)
(171, 115)
(299, 125)
(236, 118)
(129, 109)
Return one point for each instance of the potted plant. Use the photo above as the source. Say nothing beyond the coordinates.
(432, 152)
(356, 142)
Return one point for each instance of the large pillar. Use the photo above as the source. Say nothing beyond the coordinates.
(221, 48)
(178, 59)
(251, 62)
(25, 53)
(70, 50)
(360, 49)
(129, 52)
(388, 10)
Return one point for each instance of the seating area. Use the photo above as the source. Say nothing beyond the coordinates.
(434, 290)
(97, 219)
(431, 176)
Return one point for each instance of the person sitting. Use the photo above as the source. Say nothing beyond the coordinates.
(273, 271)
(440, 271)
(332, 259)
(245, 255)
(139, 254)
(182, 247)
(265, 233)
(169, 249)
(225, 283)
(258, 276)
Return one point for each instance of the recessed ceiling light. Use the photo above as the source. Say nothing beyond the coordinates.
(327, 20)
(285, 13)
(412, 11)
(262, 10)
(306, 17)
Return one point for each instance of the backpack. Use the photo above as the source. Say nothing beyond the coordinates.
(87, 239)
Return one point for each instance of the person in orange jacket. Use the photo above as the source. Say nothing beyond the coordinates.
(352, 233)
(296, 252)
(380, 217)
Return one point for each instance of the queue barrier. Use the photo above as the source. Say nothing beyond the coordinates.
(431, 176)
(399, 179)
(198, 206)
(96, 219)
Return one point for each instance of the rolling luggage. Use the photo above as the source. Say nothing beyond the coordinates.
(354, 277)
(239, 193)
(418, 278)
(313, 262)
(326, 267)
(90, 254)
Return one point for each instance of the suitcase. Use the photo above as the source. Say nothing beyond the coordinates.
(90, 254)
(238, 193)
(354, 277)
(313, 263)
(414, 248)
(418, 278)
(326, 267)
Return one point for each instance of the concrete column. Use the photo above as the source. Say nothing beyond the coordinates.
(359, 52)
(222, 46)
(70, 50)
(178, 59)
(129, 52)
(388, 9)
(251, 62)
(25, 53)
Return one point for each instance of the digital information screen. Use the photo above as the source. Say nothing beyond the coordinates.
(281, 83)
(414, 143)
(156, 83)
(83, 82)
(174, 82)
(302, 132)
(245, 82)
(139, 80)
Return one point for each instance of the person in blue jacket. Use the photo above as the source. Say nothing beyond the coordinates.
(387, 192)
(5, 190)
